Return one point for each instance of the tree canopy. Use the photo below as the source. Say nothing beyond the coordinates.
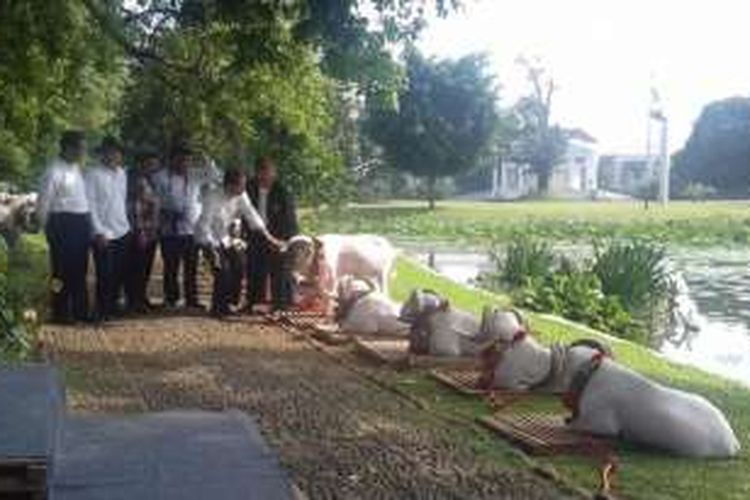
(717, 154)
(537, 141)
(57, 70)
(444, 121)
(235, 77)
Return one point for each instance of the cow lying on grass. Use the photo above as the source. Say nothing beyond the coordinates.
(606, 398)
(438, 329)
(318, 263)
(364, 309)
(17, 215)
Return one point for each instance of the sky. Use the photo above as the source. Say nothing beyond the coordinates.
(605, 55)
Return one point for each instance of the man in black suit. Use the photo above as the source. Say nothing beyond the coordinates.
(277, 209)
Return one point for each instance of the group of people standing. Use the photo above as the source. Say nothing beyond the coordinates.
(185, 207)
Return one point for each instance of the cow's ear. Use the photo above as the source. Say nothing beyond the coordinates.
(522, 320)
(445, 305)
(317, 243)
(487, 312)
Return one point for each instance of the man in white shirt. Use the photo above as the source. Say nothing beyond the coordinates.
(106, 190)
(220, 209)
(63, 212)
(180, 193)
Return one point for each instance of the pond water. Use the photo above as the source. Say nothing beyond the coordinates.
(716, 296)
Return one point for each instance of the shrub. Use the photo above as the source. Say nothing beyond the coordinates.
(625, 290)
(13, 340)
(524, 258)
(695, 191)
(634, 271)
(23, 286)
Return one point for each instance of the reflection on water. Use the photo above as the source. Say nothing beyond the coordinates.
(715, 300)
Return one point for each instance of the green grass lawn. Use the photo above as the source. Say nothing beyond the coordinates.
(643, 474)
(688, 223)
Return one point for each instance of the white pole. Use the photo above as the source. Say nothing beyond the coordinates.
(664, 184)
(495, 175)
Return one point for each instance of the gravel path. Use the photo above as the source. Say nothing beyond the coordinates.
(340, 435)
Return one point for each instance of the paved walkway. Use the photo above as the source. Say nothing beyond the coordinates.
(339, 434)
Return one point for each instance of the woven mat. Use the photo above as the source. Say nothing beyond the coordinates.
(396, 351)
(462, 379)
(545, 434)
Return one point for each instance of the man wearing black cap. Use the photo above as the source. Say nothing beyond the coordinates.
(63, 211)
(106, 190)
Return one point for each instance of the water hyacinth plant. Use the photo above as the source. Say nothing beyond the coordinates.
(524, 258)
(635, 271)
(624, 290)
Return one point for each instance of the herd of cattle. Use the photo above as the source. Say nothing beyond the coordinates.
(605, 397)
(349, 274)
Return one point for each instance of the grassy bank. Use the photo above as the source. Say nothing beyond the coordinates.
(25, 288)
(643, 475)
(686, 223)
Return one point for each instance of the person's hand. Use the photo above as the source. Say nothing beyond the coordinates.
(276, 243)
(280, 245)
(100, 241)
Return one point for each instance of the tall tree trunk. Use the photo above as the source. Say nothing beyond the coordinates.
(543, 179)
(431, 192)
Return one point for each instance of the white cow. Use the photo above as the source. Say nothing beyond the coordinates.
(17, 214)
(438, 329)
(322, 260)
(610, 399)
(364, 309)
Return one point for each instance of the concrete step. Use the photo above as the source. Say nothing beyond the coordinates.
(172, 455)
(32, 409)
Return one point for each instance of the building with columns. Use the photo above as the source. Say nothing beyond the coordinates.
(575, 177)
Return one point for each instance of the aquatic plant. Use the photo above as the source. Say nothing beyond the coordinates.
(525, 258)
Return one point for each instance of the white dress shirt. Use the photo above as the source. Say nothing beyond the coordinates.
(263, 203)
(62, 190)
(180, 195)
(219, 210)
(107, 191)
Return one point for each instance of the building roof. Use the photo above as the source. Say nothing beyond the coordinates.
(580, 135)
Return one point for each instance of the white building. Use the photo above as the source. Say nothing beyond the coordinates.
(628, 174)
(576, 176)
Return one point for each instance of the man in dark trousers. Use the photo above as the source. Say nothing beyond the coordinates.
(276, 207)
(180, 206)
(106, 190)
(63, 210)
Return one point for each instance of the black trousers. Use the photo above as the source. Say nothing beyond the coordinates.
(264, 262)
(223, 280)
(140, 263)
(69, 236)
(111, 266)
(176, 251)
(236, 263)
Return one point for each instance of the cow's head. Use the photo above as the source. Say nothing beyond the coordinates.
(301, 253)
(416, 312)
(351, 287)
(422, 302)
(18, 215)
(499, 332)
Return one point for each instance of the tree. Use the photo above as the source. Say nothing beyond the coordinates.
(57, 70)
(717, 153)
(539, 143)
(445, 118)
(197, 66)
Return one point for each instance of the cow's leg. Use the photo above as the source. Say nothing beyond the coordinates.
(600, 421)
(384, 277)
